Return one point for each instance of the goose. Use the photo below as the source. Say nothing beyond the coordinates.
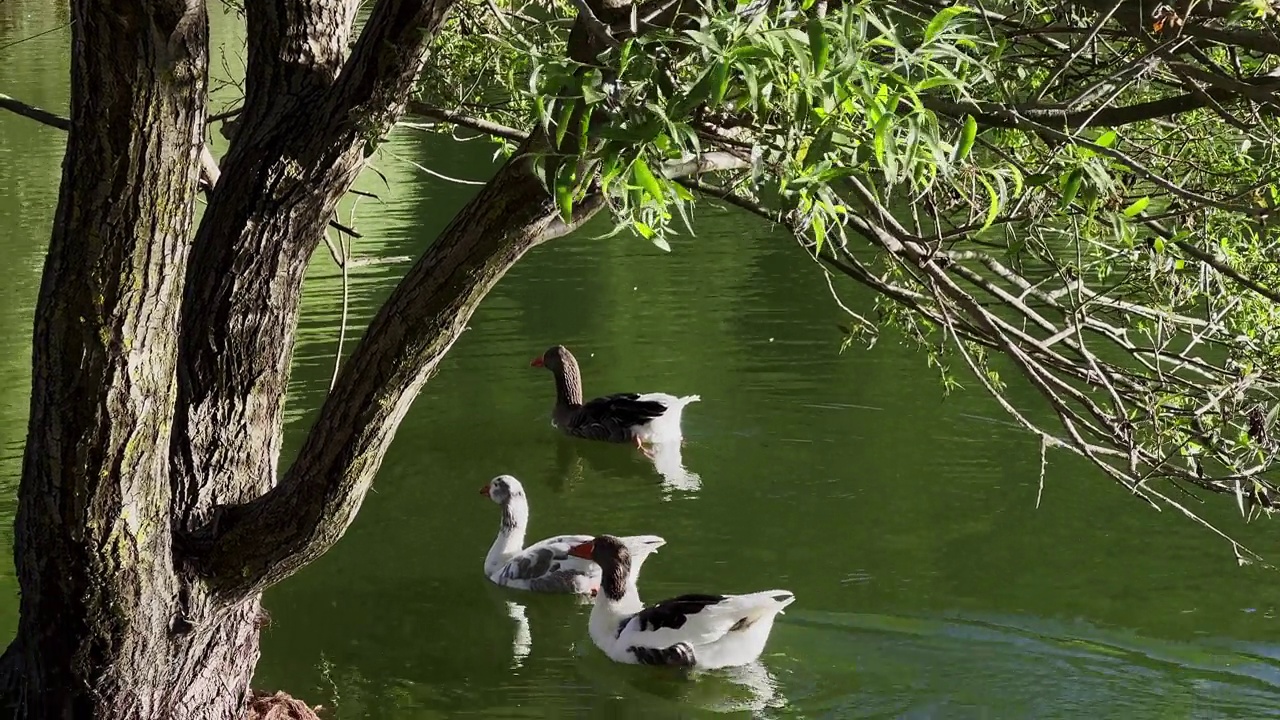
(702, 631)
(545, 566)
(623, 417)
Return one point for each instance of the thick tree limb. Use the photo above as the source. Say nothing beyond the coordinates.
(311, 117)
(261, 542)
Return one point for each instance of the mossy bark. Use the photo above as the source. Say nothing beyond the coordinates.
(99, 630)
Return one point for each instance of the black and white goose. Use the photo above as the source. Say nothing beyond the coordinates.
(545, 566)
(704, 631)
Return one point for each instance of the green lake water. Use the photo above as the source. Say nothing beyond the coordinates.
(929, 585)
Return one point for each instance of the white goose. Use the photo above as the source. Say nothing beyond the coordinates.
(545, 566)
(704, 631)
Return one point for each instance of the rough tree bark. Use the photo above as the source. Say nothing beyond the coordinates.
(92, 536)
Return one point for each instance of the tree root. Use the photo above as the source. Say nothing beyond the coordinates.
(280, 706)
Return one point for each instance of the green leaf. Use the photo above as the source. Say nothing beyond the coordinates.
(1137, 206)
(804, 104)
(940, 21)
(645, 231)
(624, 55)
(820, 146)
(565, 181)
(753, 87)
(562, 122)
(967, 135)
(1017, 180)
(696, 95)
(645, 179)
(819, 48)
(706, 40)
(819, 232)
(544, 117)
(881, 136)
(609, 168)
(749, 52)
(1071, 186)
(799, 53)
(719, 82)
(993, 207)
(591, 83)
(661, 244)
(1107, 140)
(934, 81)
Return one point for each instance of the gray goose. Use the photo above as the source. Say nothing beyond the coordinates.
(620, 418)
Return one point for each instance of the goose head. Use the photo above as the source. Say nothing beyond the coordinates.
(554, 359)
(502, 489)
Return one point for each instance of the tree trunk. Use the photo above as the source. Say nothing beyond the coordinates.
(100, 631)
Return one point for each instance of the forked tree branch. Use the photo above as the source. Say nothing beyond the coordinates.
(250, 546)
(311, 117)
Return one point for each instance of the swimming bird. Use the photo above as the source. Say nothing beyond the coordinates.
(623, 417)
(545, 566)
(704, 631)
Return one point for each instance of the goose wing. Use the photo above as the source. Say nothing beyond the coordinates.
(611, 417)
(698, 619)
(547, 565)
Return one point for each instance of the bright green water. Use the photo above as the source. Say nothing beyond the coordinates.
(929, 586)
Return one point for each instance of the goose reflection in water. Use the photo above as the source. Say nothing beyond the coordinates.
(522, 641)
(580, 462)
(669, 462)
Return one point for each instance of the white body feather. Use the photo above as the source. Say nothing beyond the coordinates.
(666, 427)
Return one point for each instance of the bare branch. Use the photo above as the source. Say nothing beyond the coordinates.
(31, 111)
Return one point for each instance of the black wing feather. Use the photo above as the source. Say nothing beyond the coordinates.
(611, 417)
(679, 655)
(675, 612)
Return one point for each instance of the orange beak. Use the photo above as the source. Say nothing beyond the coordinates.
(536, 362)
(485, 491)
(584, 550)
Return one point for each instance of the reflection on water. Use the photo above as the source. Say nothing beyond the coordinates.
(583, 461)
(522, 641)
(838, 666)
(676, 478)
